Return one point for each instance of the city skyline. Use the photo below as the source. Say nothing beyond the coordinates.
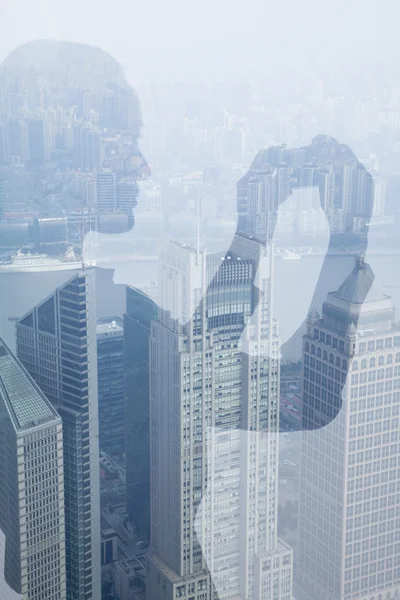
(222, 376)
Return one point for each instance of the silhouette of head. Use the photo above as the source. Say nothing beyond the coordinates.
(83, 91)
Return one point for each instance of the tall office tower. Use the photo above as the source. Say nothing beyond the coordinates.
(106, 192)
(2, 199)
(326, 184)
(56, 342)
(32, 486)
(110, 370)
(86, 147)
(349, 526)
(212, 381)
(141, 310)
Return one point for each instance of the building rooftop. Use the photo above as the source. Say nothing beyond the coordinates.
(109, 325)
(359, 286)
(26, 404)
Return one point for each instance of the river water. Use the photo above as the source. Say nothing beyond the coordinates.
(294, 285)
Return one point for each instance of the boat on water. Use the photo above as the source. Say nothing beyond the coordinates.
(37, 263)
(290, 255)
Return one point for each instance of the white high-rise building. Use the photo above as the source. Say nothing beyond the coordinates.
(349, 518)
(214, 418)
(32, 486)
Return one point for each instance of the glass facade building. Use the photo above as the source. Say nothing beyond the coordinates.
(140, 312)
(32, 487)
(110, 371)
(56, 342)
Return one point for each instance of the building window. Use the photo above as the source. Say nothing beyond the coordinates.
(372, 362)
(364, 364)
(354, 365)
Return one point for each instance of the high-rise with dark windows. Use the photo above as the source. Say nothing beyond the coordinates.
(56, 342)
(141, 310)
(110, 370)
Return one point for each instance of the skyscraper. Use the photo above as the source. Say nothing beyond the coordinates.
(212, 383)
(110, 370)
(140, 312)
(350, 478)
(56, 342)
(32, 485)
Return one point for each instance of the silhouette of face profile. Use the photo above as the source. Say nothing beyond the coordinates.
(87, 93)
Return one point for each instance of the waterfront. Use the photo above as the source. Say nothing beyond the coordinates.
(294, 285)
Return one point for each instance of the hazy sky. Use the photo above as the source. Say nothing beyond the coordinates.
(160, 39)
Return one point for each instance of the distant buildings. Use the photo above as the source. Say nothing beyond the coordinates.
(106, 192)
(110, 372)
(86, 147)
(32, 514)
(349, 518)
(345, 189)
(56, 342)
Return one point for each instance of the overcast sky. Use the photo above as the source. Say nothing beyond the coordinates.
(161, 39)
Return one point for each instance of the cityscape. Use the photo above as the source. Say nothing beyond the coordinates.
(199, 341)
